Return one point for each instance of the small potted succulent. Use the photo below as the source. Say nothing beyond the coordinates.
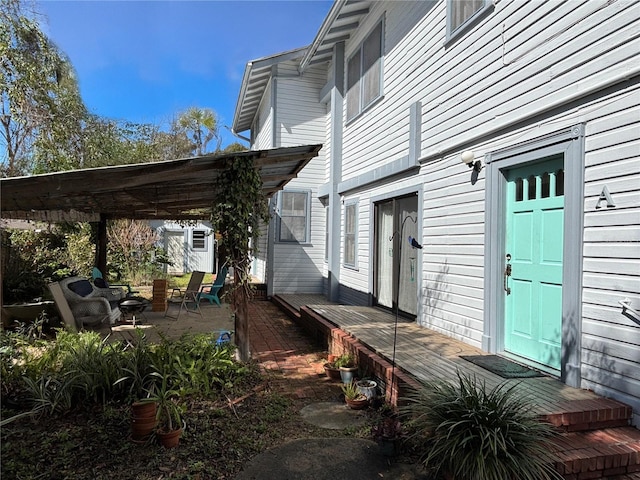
(353, 398)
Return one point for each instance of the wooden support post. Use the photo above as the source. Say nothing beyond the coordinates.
(101, 246)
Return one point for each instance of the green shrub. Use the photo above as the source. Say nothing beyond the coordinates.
(473, 433)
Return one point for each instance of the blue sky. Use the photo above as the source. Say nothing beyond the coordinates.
(147, 61)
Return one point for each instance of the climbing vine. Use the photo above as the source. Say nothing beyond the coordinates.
(238, 211)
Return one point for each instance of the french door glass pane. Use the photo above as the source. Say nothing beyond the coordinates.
(385, 255)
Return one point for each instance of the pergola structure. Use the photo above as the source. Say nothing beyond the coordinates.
(183, 189)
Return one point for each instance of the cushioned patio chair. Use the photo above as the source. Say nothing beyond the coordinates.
(78, 310)
(210, 292)
(100, 282)
(182, 300)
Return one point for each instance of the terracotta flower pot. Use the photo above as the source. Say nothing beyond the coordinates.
(169, 439)
(141, 428)
(332, 372)
(143, 409)
(357, 404)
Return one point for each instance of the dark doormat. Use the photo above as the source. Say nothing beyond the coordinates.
(501, 366)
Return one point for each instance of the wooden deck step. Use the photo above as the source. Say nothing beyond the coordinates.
(591, 414)
(603, 453)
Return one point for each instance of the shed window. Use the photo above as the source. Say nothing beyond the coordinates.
(199, 240)
(294, 217)
(364, 74)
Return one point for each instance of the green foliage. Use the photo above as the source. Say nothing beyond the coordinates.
(80, 249)
(474, 433)
(38, 89)
(31, 259)
(345, 360)
(350, 391)
(83, 370)
(200, 125)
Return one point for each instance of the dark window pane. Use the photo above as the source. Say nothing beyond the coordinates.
(559, 183)
(519, 191)
(546, 179)
(531, 187)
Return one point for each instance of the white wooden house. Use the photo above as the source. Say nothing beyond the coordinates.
(189, 247)
(533, 250)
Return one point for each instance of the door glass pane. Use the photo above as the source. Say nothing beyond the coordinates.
(384, 274)
(545, 185)
(531, 187)
(559, 183)
(407, 292)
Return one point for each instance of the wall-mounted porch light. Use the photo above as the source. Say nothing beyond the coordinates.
(467, 158)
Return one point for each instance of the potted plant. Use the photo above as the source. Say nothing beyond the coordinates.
(353, 398)
(367, 388)
(330, 369)
(169, 411)
(347, 366)
(388, 433)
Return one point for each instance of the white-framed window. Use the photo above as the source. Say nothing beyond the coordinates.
(350, 234)
(294, 222)
(461, 13)
(199, 240)
(364, 73)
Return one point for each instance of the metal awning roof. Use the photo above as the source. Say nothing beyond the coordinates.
(174, 189)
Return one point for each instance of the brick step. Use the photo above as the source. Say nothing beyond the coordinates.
(605, 453)
(582, 415)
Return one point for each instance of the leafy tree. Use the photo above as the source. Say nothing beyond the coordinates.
(235, 147)
(237, 213)
(201, 126)
(133, 250)
(38, 89)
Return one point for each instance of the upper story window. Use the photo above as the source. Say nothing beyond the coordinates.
(462, 12)
(364, 74)
(199, 240)
(294, 217)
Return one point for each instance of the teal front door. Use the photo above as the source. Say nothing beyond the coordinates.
(532, 279)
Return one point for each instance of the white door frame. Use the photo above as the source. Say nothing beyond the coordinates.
(570, 143)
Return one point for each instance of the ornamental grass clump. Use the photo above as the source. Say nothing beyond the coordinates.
(472, 433)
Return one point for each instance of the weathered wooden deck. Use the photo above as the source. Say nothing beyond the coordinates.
(595, 439)
(429, 355)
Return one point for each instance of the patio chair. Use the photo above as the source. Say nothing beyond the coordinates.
(100, 282)
(76, 289)
(210, 292)
(182, 300)
(91, 311)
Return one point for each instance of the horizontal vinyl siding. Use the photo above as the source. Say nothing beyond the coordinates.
(611, 269)
(300, 116)
(264, 135)
(298, 268)
(381, 133)
(453, 252)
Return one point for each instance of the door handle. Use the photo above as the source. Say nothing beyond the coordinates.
(507, 274)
